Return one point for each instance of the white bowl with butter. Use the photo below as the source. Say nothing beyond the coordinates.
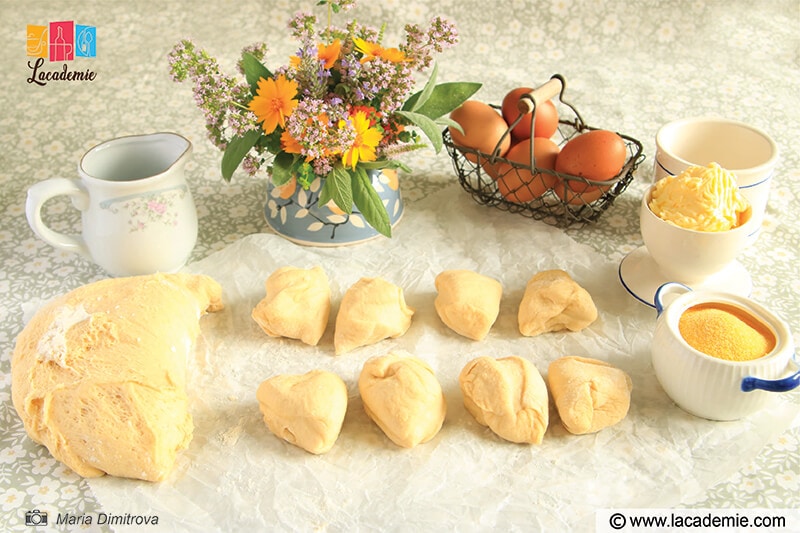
(689, 255)
(693, 225)
(747, 151)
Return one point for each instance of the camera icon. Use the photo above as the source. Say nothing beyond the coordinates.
(36, 518)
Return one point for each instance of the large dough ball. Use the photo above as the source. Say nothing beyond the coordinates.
(99, 374)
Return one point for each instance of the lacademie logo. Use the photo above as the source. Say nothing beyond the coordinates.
(60, 41)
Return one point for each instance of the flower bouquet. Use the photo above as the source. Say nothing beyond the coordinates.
(341, 107)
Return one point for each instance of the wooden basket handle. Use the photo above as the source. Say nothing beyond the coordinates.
(541, 94)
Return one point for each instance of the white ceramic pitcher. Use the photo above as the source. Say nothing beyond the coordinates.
(137, 212)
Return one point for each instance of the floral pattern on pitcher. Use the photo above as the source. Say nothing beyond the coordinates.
(147, 209)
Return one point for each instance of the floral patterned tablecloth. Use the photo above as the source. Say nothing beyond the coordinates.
(630, 66)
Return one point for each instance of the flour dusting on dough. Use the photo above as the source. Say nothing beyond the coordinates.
(53, 344)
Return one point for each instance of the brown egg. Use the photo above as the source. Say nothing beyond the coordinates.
(578, 198)
(521, 185)
(483, 128)
(596, 155)
(545, 122)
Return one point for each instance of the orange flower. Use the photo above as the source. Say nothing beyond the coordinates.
(274, 102)
(393, 55)
(289, 144)
(367, 138)
(369, 50)
(329, 53)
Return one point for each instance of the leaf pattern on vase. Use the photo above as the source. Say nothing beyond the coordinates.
(296, 212)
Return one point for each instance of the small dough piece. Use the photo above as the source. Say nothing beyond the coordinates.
(306, 410)
(371, 310)
(297, 304)
(99, 374)
(403, 397)
(508, 395)
(553, 301)
(589, 394)
(468, 302)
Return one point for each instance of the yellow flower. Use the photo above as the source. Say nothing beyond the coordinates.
(329, 53)
(274, 102)
(372, 50)
(363, 148)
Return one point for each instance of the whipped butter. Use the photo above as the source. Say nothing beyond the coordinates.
(700, 198)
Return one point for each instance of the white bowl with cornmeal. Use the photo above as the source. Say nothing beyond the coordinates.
(710, 386)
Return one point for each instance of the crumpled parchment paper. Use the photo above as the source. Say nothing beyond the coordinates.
(237, 476)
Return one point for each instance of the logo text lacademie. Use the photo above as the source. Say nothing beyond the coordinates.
(60, 41)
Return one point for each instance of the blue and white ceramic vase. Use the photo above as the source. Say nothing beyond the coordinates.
(295, 214)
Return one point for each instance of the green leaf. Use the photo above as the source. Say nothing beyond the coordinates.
(303, 172)
(254, 70)
(271, 142)
(444, 98)
(369, 203)
(425, 94)
(446, 121)
(338, 187)
(386, 163)
(282, 168)
(236, 150)
(427, 125)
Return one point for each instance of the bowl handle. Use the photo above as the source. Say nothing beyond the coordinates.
(673, 287)
(786, 384)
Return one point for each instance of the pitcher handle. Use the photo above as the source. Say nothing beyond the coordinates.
(38, 194)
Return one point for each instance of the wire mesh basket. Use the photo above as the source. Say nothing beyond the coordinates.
(541, 193)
